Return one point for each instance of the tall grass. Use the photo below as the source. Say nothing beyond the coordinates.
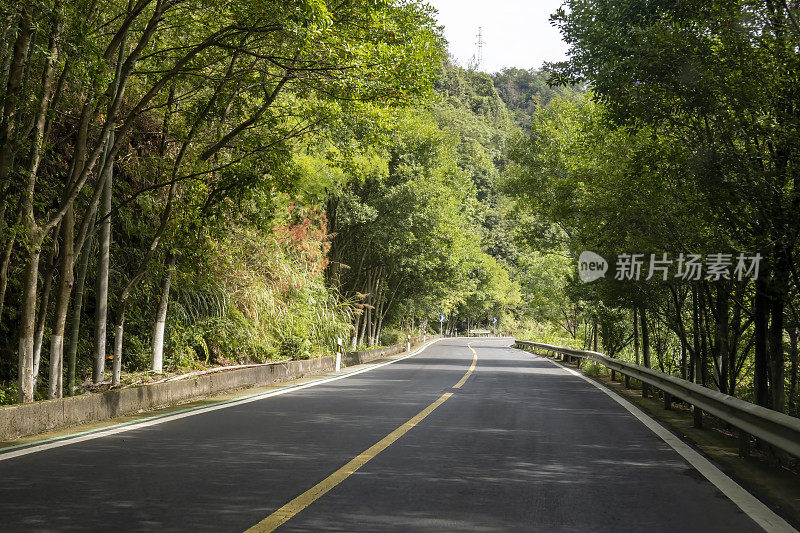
(265, 299)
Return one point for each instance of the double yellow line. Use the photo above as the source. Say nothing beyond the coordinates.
(289, 510)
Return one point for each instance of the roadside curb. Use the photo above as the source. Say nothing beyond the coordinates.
(24, 420)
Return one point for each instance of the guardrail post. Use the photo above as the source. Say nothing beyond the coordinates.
(744, 444)
(667, 401)
(613, 375)
(697, 414)
(627, 382)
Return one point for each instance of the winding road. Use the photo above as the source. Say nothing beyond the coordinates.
(466, 435)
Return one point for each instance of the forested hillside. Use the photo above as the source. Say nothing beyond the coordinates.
(161, 196)
(242, 183)
(525, 91)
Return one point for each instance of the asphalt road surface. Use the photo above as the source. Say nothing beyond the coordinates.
(518, 444)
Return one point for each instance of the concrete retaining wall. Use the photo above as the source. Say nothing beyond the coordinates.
(32, 418)
(365, 356)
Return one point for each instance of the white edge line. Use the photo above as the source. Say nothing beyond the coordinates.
(199, 410)
(752, 506)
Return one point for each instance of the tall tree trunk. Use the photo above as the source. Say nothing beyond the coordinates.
(27, 321)
(379, 333)
(683, 360)
(44, 304)
(77, 307)
(119, 331)
(12, 90)
(34, 235)
(364, 320)
(734, 341)
(367, 304)
(161, 319)
(364, 339)
(354, 337)
(373, 298)
(378, 315)
(645, 348)
(6, 261)
(793, 354)
(721, 332)
(101, 280)
(681, 331)
(776, 353)
(705, 339)
(636, 335)
(376, 304)
(107, 174)
(56, 389)
(760, 317)
(83, 242)
(695, 365)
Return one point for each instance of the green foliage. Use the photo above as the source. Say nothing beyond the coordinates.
(392, 336)
(525, 91)
(217, 103)
(546, 331)
(591, 368)
(258, 296)
(684, 144)
(8, 395)
(138, 354)
(295, 340)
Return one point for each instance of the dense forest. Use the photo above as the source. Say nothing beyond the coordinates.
(185, 185)
(681, 167)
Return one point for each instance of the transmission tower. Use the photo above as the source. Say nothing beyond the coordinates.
(480, 43)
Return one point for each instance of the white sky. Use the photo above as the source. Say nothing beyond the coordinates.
(516, 33)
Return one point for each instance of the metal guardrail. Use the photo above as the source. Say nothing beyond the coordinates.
(778, 429)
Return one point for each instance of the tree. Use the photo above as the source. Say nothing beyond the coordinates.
(231, 82)
(672, 68)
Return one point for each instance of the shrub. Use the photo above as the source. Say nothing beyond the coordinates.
(591, 368)
(294, 347)
(138, 354)
(392, 336)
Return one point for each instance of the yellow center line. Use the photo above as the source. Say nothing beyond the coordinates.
(289, 510)
(471, 368)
